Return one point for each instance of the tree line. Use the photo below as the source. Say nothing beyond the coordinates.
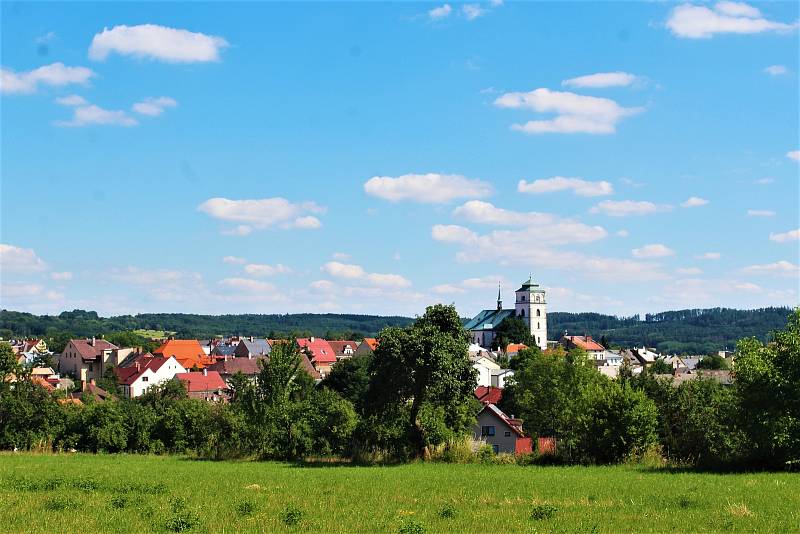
(413, 398)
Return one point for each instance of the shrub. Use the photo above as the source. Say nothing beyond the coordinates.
(448, 511)
(411, 527)
(485, 454)
(291, 516)
(58, 503)
(245, 508)
(504, 458)
(457, 452)
(119, 501)
(181, 522)
(541, 512)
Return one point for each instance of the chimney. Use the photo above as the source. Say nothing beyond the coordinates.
(205, 372)
(249, 356)
(138, 369)
(93, 341)
(312, 339)
(226, 357)
(92, 382)
(251, 339)
(85, 385)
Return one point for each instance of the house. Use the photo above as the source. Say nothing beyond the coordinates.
(485, 366)
(188, 352)
(86, 359)
(249, 366)
(250, 347)
(221, 350)
(205, 385)
(367, 346)
(320, 352)
(145, 372)
(488, 395)
(499, 377)
(594, 349)
(513, 348)
(31, 349)
(530, 307)
(502, 432)
(90, 389)
(343, 349)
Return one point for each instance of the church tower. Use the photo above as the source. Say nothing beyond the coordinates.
(531, 307)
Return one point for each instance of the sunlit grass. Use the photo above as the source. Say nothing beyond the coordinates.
(122, 493)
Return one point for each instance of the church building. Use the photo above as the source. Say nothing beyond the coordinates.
(530, 306)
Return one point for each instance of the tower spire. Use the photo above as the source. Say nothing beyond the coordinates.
(499, 299)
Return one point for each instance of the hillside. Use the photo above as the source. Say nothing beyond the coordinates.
(683, 331)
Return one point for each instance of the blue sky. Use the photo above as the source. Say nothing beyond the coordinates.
(377, 158)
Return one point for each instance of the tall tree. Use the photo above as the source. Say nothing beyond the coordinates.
(426, 369)
(513, 330)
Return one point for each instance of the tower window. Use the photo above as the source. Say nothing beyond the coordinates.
(523, 313)
(538, 313)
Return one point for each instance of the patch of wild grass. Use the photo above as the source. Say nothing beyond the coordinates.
(411, 527)
(540, 512)
(291, 516)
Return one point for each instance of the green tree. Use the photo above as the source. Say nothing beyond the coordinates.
(712, 362)
(423, 374)
(512, 330)
(350, 379)
(768, 384)
(660, 367)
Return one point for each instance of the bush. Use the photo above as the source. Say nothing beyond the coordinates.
(541, 512)
(485, 454)
(119, 501)
(58, 503)
(504, 458)
(291, 516)
(448, 511)
(411, 527)
(456, 452)
(181, 522)
(245, 508)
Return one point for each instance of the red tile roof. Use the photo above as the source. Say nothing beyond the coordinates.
(488, 395)
(585, 343)
(202, 381)
(515, 347)
(89, 351)
(231, 366)
(371, 342)
(319, 349)
(130, 374)
(340, 346)
(188, 352)
(514, 424)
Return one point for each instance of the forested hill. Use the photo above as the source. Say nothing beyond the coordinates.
(683, 331)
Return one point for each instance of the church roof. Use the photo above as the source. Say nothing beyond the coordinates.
(488, 319)
(528, 285)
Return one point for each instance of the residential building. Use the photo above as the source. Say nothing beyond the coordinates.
(221, 350)
(145, 372)
(249, 366)
(343, 349)
(502, 432)
(594, 349)
(90, 389)
(488, 395)
(86, 359)
(320, 352)
(530, 307)
(485, 365)
(205, 385)
(251, 347)
(188, 352)
(367, 346)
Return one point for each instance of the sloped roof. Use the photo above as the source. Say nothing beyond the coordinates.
(529, 285)
(488, 394)
(89, 351)
(340, 346)
(199, 381)
(488, 319)
(129, 375)
(256, 346)
(188, 352)
(371, 342)
(514, 424)
(321, 351)
(585, 343)
(231, 366)
(223, 350)
(513, 348)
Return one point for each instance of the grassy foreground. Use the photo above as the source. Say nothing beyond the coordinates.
(85, 493)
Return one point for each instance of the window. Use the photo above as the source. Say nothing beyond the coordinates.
(523, 298)
(487, 431)
(508, 434)
(538, 313)
(145, 378)
(523, 313)
(538, 326)
(496, 448)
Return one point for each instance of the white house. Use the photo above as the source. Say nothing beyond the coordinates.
(145, 372)
(485, 366)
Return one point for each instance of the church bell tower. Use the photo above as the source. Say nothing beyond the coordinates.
(531, 307)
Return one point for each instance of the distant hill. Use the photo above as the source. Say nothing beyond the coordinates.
(682, 332)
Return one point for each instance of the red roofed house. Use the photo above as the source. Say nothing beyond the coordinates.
(502, 432)
(206, 385)
(188, 352)
(343, 349)
(86, 359)
(488, 394)
(592, 347)
(320, 353)
(146, 371)
(514, 348)
(367, 346)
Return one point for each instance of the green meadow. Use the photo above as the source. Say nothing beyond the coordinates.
(125, 493)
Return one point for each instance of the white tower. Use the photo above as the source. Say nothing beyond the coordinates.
(531, 307)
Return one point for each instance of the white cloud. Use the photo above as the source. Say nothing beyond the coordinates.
(86, 114)
(495, 3)
(776, 70)
(574, 113)
(356, 272)
(262, 269)
(16, 290)
(623, 233)
(470, 284)
(578, 186)
(55, 75)
(145, 277)
(262, 213)
(793, 154)
(448, 289)
(602, 79)
(625, 208)
(72, 100)
(17, 259)
(701, 22)
(240, 230)
(779, 268)
(431, 188)
(552, 228)
(154, 106)
(62, 276)
(452, 233)
(709, 256)
(473, 11)
(234, 260)
(764, 181)
(341, 256)
(441, 12)
(157, 42)
(689, 271)
(760, 213)
(694, 202)
(247, 285)
(791, 235)
(655, 250)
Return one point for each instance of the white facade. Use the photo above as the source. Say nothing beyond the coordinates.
(149, 378)
(531, 307)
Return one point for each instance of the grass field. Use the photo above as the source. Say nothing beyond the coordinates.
(85, 493)
(153, 334)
